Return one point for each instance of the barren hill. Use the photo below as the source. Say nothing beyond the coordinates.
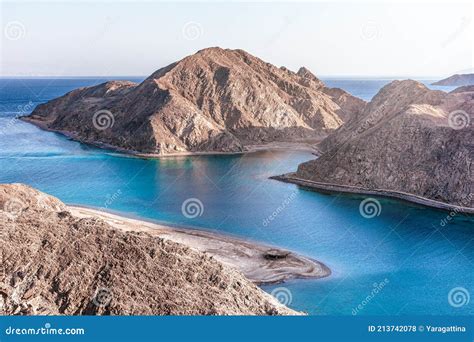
(55, 263)
(216, 100)
(409, 139)
(457, 80)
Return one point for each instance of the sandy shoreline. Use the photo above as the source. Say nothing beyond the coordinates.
(308, 146)
(318, 186)
(259, 263)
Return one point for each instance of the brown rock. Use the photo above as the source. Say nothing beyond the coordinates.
(405, 140)
(215, 100)
(456, 80)
(55, 263)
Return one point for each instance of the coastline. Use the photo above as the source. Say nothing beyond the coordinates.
(335, 188)
(308, 146)
(261, 264)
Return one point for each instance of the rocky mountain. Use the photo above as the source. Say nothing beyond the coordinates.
(408, 139)
(215, 100)
(457, 80)
(55, 263)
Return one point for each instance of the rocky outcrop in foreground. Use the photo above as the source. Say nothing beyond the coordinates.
(457, 80)
(408, 139)
(55, 263)
(217, 100)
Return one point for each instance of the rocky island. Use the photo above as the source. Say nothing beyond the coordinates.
(457, 80)
(74, 261)
(217, 100)
(409, 142)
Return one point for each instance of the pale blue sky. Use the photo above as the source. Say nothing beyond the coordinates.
(331, 39)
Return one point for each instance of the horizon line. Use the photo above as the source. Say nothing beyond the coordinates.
(381, 77)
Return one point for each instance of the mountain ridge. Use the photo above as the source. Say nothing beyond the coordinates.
(408, 139)
(456, 80)
(217, 100)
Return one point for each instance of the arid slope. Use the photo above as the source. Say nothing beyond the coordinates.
(217, 100)
(457, 80)
(55, 263)
(409, 139)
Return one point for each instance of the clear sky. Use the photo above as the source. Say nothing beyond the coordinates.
(332, 39)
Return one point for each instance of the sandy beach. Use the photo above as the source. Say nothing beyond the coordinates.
(260, 263)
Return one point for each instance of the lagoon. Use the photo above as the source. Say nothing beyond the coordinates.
(407, 248)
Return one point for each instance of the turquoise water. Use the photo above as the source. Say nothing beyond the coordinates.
(406, 248)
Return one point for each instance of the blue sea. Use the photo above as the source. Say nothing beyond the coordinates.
(408, 260)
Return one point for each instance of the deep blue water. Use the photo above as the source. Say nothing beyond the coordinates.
(405, 247)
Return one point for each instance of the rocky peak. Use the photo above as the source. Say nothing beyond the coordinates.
(110, 88)
(457, 80)
(407, 139)
(398, 94)
(463, 89)
(308, 78)
(215, 100)
(305, 73)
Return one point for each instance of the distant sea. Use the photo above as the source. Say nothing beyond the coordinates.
(406, 260)
(367, 88)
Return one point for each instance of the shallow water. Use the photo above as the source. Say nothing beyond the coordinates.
(413, 259)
